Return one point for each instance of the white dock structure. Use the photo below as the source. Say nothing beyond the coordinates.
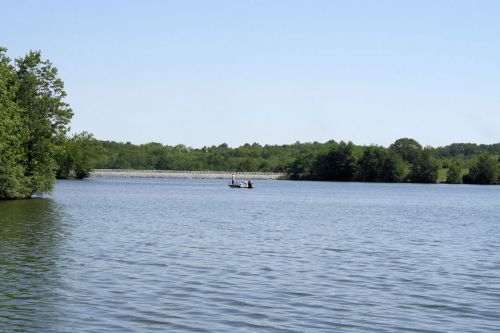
(176, 174)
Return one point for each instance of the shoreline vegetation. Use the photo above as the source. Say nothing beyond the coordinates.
(35, 147)
(403, 161)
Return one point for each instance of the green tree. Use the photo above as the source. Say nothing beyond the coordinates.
(454, 175)
(485, 171)
(87, 151)
(13, 182)
(301, 167)
(78, 156)
(338, 164)
(408, 149)
(394, 169)
(425, 168)
(44, 117)
(370, 164)
(378, 164)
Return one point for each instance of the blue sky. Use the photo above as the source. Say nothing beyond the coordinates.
(273, 72)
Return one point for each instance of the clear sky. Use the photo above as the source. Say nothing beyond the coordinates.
(273, 72)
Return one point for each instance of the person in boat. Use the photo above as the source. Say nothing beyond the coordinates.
(249, 183)
(232, 179)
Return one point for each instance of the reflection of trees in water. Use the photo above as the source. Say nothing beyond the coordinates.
(30, 231)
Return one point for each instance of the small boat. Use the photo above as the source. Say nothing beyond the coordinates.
(241, 185)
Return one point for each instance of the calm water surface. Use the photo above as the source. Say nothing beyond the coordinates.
(197, 256)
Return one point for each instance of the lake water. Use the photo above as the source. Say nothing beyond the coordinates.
(135, 255)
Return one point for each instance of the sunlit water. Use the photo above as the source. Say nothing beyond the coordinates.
(197, 256)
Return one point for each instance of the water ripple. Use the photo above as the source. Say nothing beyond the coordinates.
(190, 256)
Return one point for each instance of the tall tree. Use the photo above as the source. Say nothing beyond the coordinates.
(13, 183)
(44, 117)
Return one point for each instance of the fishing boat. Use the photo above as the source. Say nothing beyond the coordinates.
(242, 185)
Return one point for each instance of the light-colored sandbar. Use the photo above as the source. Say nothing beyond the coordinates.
(118, 173)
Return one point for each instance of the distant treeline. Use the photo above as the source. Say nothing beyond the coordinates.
(403, 161)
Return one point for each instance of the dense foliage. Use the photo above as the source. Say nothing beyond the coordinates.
(77, 156)
(403, 161)
(485, 171)
(33, 121)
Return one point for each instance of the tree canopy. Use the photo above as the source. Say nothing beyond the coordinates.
(34, 119)
(485, 171)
